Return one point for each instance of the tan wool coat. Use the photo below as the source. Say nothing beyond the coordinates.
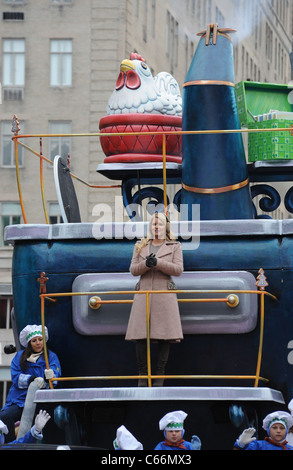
(165, 321)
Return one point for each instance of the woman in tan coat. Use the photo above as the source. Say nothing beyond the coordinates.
(155, 259)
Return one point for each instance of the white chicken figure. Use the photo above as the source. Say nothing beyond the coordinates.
(137, 91)
(169, 87)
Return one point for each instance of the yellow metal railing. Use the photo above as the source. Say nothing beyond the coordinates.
(149, 376)
(262, 293)
(17, 136)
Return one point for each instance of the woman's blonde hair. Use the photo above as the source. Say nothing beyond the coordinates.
(169, 235)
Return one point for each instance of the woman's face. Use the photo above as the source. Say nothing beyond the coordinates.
(158, 228)
(37, 344)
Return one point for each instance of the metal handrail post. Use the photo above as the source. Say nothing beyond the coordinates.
(149, 371)
(44, 337)
(261, 332)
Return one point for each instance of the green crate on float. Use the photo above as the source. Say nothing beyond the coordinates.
(255, 100)
(270, 145)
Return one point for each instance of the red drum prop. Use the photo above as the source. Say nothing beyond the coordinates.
(140, 148)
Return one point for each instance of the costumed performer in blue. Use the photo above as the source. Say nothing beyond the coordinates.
(33, 435)
(289, 436)
(172, 425)
(277, 425)
(125, 440)
(26, 366)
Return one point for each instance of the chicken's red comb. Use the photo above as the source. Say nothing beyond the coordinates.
(136, 56)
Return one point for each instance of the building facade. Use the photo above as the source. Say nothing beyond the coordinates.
(59, 62)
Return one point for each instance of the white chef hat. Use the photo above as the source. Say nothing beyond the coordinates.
(277, 417)
(290, 406)
(125, 440)
(29, 332)
(172, 421)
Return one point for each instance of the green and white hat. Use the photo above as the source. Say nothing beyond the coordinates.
(29, 332)
(173, 421)
(278, 417)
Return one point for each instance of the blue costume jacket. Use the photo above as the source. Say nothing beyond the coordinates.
(262, 445)
(20, 379)
(31, 437)
(162, 446)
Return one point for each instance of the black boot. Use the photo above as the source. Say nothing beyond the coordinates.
(141, 358)
(163, 355)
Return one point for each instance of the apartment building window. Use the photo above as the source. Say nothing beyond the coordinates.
(13, 62)
(193, 8)
(186, 53)
(255, 27)
(191, 50)
(269, 43)
(54, 213)
(153, 18)
(246, 65)
(172, 38)
(14, 2)
(10, 215)
(59, 145)
(145, 20)
(168, 28)
(282, 61)
(7, 147)
(204, 8)
(260, 29)
(61, 62)
(61, 2)
(6, 304)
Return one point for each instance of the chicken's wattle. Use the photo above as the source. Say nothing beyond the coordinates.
(130, 79)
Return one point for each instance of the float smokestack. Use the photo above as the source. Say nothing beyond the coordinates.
(214, 171)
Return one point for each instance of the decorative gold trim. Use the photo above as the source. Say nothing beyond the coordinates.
(218, 34)
(208, 82)
(214, 28)
(224, 189)
(220, 30)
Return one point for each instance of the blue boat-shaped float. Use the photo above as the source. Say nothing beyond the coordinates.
(235, 295)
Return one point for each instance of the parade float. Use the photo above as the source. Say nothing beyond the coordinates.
(235, 362)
